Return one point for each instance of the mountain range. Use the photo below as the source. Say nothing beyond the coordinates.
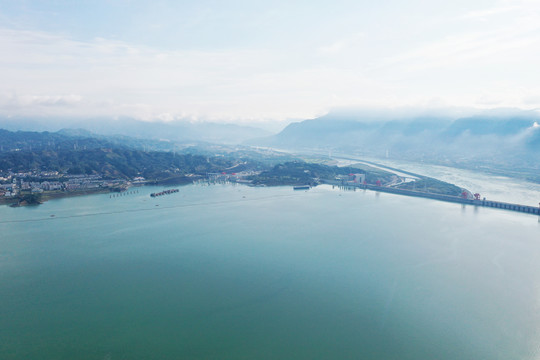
(507, 142)
(177, 131)
(503, 142)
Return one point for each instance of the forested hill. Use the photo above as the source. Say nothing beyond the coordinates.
(55, 155)
(77, 152)
(116, 163)
(34, 141)
(74, 139)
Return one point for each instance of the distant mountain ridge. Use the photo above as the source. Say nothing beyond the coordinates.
(32, 140)
(67, 139)
(506, 141)
(84, 139)
(75, 151)
(328, 126)
(181, 131)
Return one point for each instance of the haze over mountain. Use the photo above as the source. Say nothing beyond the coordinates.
(75, 65)
(180, 131)
(503, 139)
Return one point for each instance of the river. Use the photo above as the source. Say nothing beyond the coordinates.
(237, 272)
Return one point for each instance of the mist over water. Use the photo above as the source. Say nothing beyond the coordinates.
(234, 272)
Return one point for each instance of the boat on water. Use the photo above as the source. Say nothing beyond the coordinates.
(301, 187)
(164, 192)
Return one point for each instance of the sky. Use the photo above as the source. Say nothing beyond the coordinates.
(249, 61)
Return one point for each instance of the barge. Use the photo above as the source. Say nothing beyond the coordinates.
(164, 192)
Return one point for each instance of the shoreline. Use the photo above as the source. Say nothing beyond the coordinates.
(46, 196)
(55, 194)
(526, 209)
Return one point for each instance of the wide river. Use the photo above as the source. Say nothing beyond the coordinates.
(235, 272)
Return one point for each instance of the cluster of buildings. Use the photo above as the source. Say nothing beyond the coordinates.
(238, 177)
(351, 179)
(12, 184)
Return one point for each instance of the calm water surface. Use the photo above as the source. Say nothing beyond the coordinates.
(232, 272)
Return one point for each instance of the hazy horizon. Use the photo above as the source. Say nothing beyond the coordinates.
(361, 114)
(262, 62)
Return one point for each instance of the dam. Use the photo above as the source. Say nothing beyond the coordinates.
(448, 198)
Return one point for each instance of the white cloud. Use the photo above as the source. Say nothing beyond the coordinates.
(454, 59)
(532, 100)
(15, 101)
(35, 64)
(55, 100)
(486, 13)
(472, 47)
(115, 78)
(342, 44)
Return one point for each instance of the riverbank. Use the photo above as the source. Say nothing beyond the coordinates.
(415, 187)
(57, 194)
(50, 195)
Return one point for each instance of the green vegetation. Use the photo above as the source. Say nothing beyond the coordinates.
(300, 173)
(75, 153)
(114, 163)
(27, 199)
(433, 186)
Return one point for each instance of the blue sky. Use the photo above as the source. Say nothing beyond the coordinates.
(253, 60)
